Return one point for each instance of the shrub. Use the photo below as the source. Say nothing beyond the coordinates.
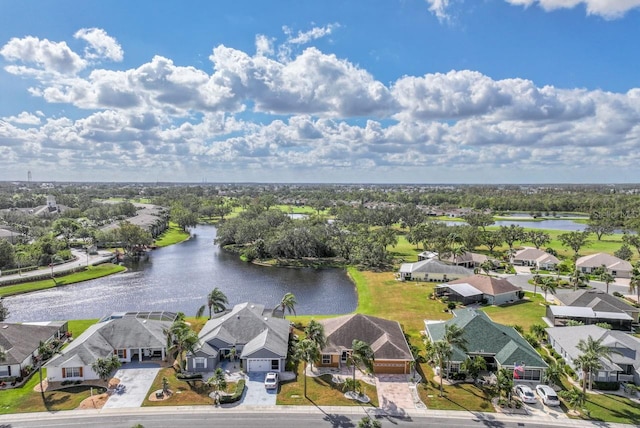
(189, 376)
(226, 399)
(618, 294)
(607, 386)
(451, 305)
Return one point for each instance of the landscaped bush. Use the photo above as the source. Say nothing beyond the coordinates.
(607, 386)
(226, 399)
(618, 294)
(189, 376)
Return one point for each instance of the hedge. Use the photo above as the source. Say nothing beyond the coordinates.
(606, 386)
(226, 399)
(189, 376)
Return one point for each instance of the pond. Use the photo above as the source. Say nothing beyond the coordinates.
(179, 277)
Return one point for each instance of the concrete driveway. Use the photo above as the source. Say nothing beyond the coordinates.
(256, 394)
(137, 378)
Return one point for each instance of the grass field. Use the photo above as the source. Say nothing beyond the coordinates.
(91, 272)
(524, 313)
(173, 235)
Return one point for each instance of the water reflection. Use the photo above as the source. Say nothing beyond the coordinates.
(178, 278)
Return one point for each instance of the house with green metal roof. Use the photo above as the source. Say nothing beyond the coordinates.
(501, 346)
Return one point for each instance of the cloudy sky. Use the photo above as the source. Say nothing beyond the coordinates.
(370, 91)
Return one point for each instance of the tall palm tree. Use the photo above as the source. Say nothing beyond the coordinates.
(288, 302)
(473, 366)
(180, 340)
(307, 351)
(361, 357)
(592, 352)
(549, 284)
(578, 279)
(454, 337)
(538, 330)
(438, 353)
(315, 332)
(554, 373)
(216, 301)
(607, 278)
(634, 282)
(537, 280)
(486, 267)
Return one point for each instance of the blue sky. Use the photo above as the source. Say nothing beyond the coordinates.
(405, 91)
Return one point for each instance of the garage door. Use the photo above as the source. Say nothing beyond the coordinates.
(259, 365)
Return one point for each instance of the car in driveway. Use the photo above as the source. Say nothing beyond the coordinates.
(271, 380)
(547, 395)
(526, 394)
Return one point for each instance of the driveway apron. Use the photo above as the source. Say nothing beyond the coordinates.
(137, 381)
(256, 394)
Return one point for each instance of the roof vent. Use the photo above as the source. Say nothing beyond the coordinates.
(266, 319)
(5, 326)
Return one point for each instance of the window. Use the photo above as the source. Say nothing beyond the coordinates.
(72, 372)
(200, 363)
(326, 359)
(344, 356)
(121, 353)
(275, 365)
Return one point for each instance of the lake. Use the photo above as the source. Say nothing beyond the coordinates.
(179, 277)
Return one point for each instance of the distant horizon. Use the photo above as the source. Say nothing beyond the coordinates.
(421, 91)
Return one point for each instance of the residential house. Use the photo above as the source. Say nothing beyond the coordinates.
(499, 345)
(129, 336)
(21, 342)
(432, 270)
(592, 307)
(534, 257)
(624, 362)
(260, 340)
(390, 348)
(467, 259)
(479, 288)
(617, 267)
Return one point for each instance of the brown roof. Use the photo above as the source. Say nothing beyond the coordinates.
(384, 336)
(488, 284)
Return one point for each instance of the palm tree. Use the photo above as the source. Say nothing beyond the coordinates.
(104, 366)
(537, 281)
(486, 267)
(180, 340)
(606, 277)
(453, 335)
(549, 284)
(592, 352)
(307, 351)
(538, 330)
(315, 332)
(438, 353)
(361, 357)
(288, 302)
(504, 381)
(216, 301)
(578, 279)
(473, 366)
(634, 282)
(574, 397)
(554, 373)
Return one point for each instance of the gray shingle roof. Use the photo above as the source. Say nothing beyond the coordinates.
(484, 336)
(21, 340)
(434, 266)
(249, 325)
(595, 299)
(599, 259)
(384, 336)
(99, 340)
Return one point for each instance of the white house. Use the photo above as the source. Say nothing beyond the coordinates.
(617, 267)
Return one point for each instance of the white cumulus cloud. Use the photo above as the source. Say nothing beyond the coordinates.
(101, 45)
(608, 9)
(50, 56)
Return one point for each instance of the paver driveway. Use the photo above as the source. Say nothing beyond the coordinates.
(137, 379)
(394, 395)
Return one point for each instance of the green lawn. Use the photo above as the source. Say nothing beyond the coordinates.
(91, 272)
(525, 313)
(77, 327)
(173, 235)
(461, 396)
(320, 392)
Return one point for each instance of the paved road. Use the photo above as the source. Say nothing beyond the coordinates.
(280, 417)
(80, 260)
(522, 280)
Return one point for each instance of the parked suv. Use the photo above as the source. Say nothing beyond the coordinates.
(547, 395)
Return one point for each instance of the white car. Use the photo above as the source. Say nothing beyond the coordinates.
(526, 394)
(271, 380)
(547, 395)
